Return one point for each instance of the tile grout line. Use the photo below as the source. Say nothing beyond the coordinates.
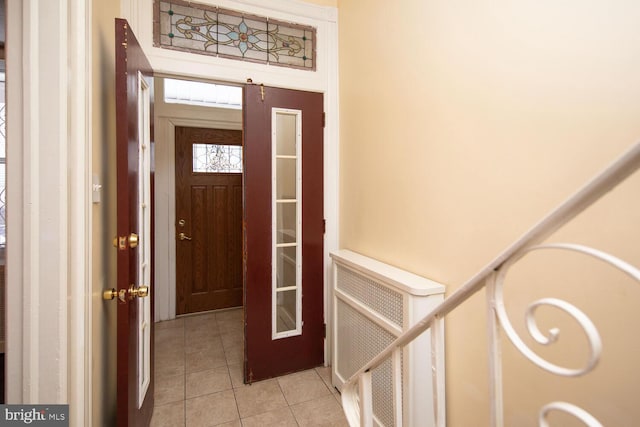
(184, 362)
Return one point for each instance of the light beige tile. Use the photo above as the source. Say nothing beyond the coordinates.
(169, 367)
(195, 345)
(208, 358)
(234, 355)
(235, 314)
(168, 334)
(226, 326)
(259, 397)
(235, 423)
(303, 386)
(211, 409)
(169, 389)
(237, 375)
(199, 320)
(166, 351)
(325, 374)
(338, 397)
(232, 339)
(207, 382)
(169, 415)
(319, 412)
(199, 331)
(169, 324)
(278, 417)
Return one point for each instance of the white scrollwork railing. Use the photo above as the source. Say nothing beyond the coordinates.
(357, 392)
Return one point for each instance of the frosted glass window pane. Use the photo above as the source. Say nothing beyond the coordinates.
(200, 93)
(286, 179)
(286, 222)
(286, 267)
(286, 134)
(286, 311)
(214, 158)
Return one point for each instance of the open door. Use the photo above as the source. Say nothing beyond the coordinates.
(134, 242)
(283, 231)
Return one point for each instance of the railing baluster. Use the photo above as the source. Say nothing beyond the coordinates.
(438, 372)
(396, 378)
(366, 399)
(495, 356)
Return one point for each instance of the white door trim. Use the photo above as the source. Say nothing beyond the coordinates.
(48, 264)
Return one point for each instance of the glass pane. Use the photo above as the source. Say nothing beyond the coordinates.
(285, 179)
(214, 158)
(286, 311)
(286, 267)
(210, 30)
(285, 134)
(200, 93)
(286, 222)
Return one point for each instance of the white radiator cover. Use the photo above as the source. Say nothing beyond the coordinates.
(373, 303)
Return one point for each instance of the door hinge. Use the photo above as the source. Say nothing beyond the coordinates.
(324, 226)
(324, 330)
(324, 119)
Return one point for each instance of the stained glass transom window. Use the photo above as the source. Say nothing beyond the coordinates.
(211, 30)
(214, 158)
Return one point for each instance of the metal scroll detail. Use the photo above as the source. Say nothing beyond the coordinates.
(551, 336)
(568, 408)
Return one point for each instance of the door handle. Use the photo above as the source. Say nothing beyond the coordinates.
(132, 292)
(183, 236)
(112, 293)
(138, 292)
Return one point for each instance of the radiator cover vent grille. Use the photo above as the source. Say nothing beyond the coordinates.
(377, 297)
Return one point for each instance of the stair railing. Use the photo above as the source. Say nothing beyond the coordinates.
(357, 398)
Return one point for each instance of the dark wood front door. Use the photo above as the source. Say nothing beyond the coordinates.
(208, 219)
(284, 228)
(134, 243)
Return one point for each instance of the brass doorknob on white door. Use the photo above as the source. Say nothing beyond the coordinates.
(183, 236)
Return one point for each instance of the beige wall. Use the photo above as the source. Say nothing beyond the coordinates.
(462, 123)
(103, 214)
(332, 3)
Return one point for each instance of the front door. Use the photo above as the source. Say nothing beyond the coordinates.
(284, 227)
(208, 219)
(134, 241)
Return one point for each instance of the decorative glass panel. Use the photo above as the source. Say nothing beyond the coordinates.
(214, 158)
(211, 30)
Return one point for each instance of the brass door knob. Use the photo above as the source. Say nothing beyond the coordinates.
(138, 292)
(183, 236)
(109, 294)
(112, 293)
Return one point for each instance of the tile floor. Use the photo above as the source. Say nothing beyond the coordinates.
(198, 378)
